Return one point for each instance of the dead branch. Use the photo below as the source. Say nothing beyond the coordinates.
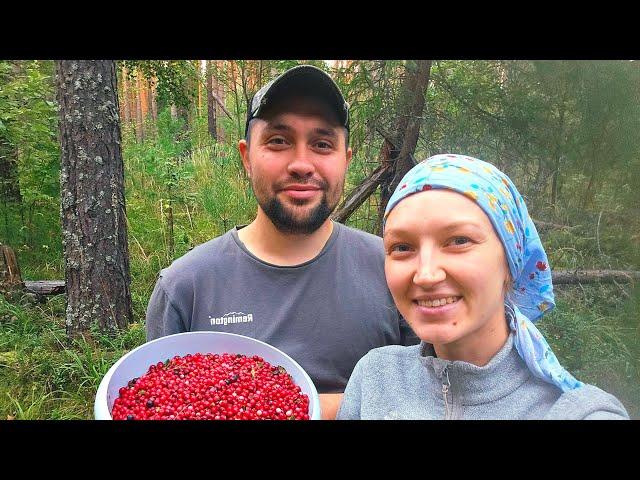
(572, 277)
(359, 194)
(45, 287)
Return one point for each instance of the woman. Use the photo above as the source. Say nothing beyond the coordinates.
(466, 269)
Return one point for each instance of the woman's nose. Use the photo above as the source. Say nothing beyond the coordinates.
(429, 271)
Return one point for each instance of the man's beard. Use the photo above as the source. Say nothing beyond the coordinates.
(285, 219)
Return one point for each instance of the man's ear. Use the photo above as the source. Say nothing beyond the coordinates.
(243, 148)
(349, 156)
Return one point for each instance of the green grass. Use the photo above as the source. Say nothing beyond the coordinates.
(43, 375)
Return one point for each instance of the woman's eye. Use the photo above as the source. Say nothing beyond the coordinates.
(460, 241)
(400, 248)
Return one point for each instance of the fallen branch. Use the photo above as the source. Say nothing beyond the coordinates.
(541, 225)
(572, 277)
(45, 287)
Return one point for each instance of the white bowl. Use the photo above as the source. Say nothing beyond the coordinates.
(137, 362)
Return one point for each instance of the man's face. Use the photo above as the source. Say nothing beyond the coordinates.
(297, 160)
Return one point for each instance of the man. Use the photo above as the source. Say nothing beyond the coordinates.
(292, 278)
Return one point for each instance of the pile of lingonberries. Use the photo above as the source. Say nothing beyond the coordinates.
(212, 387)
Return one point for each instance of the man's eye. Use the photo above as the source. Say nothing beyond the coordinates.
(277, 141)
(323, 145)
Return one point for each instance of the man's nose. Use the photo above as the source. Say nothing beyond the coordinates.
(302, 165)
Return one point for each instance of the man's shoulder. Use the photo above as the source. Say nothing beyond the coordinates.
(366, 239)
(202, 257)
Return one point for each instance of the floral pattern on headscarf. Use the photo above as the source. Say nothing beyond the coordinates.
(531, 295)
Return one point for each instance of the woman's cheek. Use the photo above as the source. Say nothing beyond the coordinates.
(399, 277)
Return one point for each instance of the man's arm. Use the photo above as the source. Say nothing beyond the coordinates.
(329, 404)
(161, 317)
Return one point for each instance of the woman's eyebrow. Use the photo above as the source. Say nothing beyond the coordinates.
(463, 224)
(449, 227)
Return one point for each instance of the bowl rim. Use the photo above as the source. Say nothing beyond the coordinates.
(101, 403)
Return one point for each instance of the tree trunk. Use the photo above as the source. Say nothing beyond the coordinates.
(94, 227)
(554, 181)
(588, 196)
(559, 140)
(410, 107)
(200, 85)
(154, 101)
(149, 115)
(146, 110)
(126, 108)
(234, 88)
(139, 117)
(211, 103)
(9, 183)
(131, 98)
(9, 270)
(220, 92)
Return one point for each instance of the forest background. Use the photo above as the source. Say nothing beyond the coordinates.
(566, 132)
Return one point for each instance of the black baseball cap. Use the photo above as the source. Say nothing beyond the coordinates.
(304, 80)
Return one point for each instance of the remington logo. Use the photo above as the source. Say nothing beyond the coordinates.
(231, 317)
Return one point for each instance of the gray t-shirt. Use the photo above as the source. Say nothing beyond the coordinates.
(326, 313)
(411, 383)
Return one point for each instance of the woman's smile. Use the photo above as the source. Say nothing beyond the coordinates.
(437, 306)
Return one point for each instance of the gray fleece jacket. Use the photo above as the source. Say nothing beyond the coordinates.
(396, 382)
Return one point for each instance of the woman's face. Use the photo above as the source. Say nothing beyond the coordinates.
(446, 270)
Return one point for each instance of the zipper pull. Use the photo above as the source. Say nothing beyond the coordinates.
(445, 392)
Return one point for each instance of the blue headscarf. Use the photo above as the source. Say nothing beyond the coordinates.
(532, 290)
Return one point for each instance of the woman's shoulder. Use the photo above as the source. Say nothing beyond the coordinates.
(410, 352)
(389, 357)
(587, 403)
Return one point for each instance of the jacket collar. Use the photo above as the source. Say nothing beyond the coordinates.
(473, 385)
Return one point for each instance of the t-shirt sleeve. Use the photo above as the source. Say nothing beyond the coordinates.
(162, 318)
(352, 398)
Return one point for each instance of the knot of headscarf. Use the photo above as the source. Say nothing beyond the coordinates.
(531, 294)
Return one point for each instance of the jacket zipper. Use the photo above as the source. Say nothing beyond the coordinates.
(445, 391)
